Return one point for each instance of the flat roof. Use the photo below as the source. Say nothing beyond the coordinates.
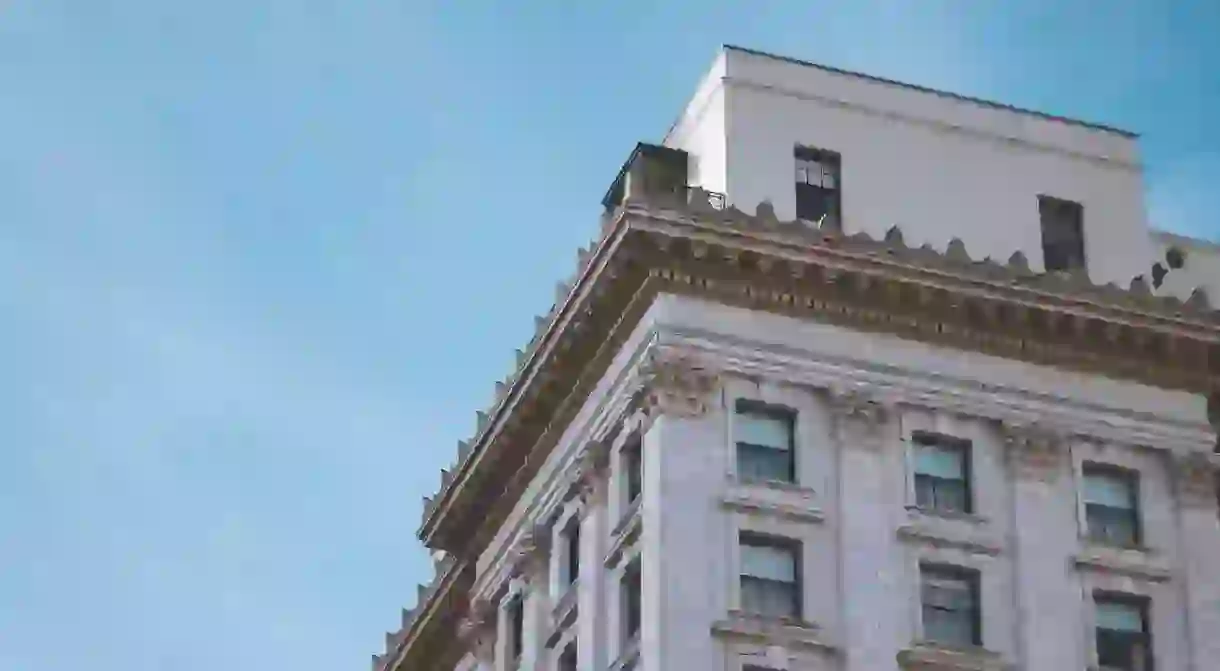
(937, 92)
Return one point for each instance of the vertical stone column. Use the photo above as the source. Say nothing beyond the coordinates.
(1199, 543)
(870, 576)
(529, 578)
(1044, 531)
(684, 535)
(591, 623)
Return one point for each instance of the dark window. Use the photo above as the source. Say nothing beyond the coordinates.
(516, 627)
(1123, 640)
(632, 596)
(633, 465)
(770, 577)
(942, 473)
(1062, 233)
(1111, 505)
(950, 601)
(818, 185)
(571, 537)
(765, 445)
(567, 661)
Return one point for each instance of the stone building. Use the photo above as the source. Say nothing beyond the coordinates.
(858, 376)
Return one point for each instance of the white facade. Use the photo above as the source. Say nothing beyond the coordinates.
(943, 167)
(852, 510)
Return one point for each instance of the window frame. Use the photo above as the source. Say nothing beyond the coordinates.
(794, 549)
(824, 158)
(1143, 605)
(965, 447)
(744, 406)
(973, 579)
(1131, 477)
(1051, 211)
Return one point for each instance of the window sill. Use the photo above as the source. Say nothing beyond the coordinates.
(1138, 563)
(773, 499)
(625, 534)
(791, 633)
(564, 613)
(940, 533)
(931, 656)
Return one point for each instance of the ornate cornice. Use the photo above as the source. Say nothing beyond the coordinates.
(1034, 452)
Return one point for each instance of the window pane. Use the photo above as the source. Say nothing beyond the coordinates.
(1120, 616)
(828, 177)
(768, 562)
(1111, 525)
(940, 461)
(951, 628)
(763, 429)
(761, 464)
(1108, 489)
(768, 597)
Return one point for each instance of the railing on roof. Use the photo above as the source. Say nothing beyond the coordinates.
(715, 198)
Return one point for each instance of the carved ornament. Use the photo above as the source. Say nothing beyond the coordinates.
(1034, 452)
(1196, 478)
(859, 418)
(677, 386)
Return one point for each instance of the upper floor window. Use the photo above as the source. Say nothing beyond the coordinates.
(1111, 505)
(818, 185)
(950, 605)
(631, 601)
(516, 627)
(942, 473)
(770, 577)
(633, 469)
(765, 445)
(1122, 637)
(567, 660)
(1062, 233)
(571, 552)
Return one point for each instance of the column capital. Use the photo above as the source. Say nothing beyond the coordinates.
(589, 480)
(1033, 451)
(1195, 479)
(677, 386)
(528, 557)
(859, 417)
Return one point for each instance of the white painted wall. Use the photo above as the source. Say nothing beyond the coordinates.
(938, 166)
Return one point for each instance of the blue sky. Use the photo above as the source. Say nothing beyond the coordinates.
(262, 260)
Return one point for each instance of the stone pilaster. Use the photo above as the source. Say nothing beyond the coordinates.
(1044, 534)
(871, 497)
(1199, 538)
(592, 626)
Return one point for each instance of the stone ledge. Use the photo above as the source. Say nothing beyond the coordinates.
(928, 534)
(624, 535)
(928, 656)
(783, 500)
(1136, 563)
(790, 633)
